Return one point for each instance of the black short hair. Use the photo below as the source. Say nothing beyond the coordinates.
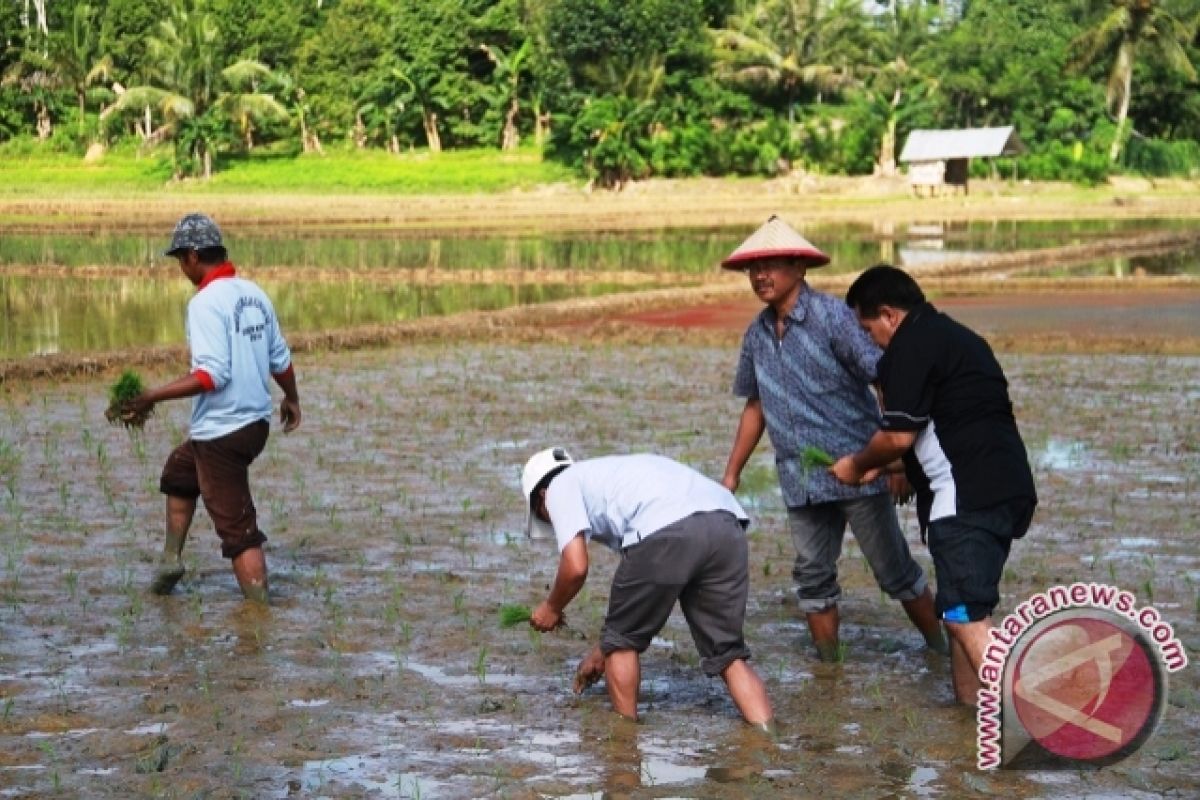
(213, 255)
(883, 285)
(542, 484)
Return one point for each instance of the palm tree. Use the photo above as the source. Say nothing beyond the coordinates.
(198, 99)
(1117, 35)
(775, 43)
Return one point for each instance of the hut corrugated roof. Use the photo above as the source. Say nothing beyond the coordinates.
(941, 145)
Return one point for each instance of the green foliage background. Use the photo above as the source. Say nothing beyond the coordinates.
(609, 90)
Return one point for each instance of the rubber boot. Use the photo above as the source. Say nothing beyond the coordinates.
(823, 625)
(170, 564)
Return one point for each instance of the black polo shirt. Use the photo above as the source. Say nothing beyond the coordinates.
(941, 380)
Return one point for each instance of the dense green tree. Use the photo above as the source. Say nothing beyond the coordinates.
(337, 60)
(1004, 63)
(431, 45)
(1116, 34)
(616, 46)
(263, 30)
(620, 57)
(621, 89)
(125, 31)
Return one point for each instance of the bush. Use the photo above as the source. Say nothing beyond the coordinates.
(1077, 163)
(1161, 158)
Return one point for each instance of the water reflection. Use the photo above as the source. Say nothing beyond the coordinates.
(634, 759)
(383, 276)
(852, 246)
(58, 315)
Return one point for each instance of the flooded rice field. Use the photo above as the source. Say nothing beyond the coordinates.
(87, 292)
(395, 525)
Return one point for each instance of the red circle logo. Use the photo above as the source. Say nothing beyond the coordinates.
(1084, 688)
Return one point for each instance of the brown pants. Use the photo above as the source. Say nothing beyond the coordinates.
(219, 472)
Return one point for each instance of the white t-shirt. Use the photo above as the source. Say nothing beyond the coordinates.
(234, 338)
(620, 500)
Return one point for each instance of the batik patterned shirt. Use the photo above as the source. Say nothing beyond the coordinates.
(814, 385)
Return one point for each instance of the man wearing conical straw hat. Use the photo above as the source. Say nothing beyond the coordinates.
(805, 371)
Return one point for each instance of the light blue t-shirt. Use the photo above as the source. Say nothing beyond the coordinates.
(234, 338)
(620, 500)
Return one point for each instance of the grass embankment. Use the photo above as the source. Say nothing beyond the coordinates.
(30, 171)
(486, 190)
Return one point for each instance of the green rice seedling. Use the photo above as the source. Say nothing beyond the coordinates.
(127, 387)
(481, 666)
(815, 458)
(514, 614)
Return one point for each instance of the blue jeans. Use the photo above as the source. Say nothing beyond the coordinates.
(817, 533)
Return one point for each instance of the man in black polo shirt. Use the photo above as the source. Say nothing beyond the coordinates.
(948, 415)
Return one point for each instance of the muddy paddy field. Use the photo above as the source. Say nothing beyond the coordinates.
(395, 527)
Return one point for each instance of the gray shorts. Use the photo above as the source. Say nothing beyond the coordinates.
(817, 532)
(702, 562)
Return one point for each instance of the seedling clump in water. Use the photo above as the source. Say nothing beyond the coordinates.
(127, 387)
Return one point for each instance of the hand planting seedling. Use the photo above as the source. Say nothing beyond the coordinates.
(513, 615)
(120, 396)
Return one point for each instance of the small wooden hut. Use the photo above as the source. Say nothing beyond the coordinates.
(940, 160)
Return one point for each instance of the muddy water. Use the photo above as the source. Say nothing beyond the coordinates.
(382, 670)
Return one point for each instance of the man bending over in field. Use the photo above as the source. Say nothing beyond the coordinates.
(681, 538)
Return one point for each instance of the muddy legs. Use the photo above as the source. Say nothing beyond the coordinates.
(924, 618)
(968, 640)
(180, 511)
(749, 695)
(823, 625)
(250, 568)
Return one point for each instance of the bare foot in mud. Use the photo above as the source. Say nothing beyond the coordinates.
(168, 574)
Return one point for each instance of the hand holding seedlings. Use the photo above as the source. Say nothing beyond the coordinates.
(127, 405)
(546, 618)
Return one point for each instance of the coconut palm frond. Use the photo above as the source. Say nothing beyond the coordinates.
(176, 106)
(245, 72)
(101, 70)
(254, 106)
(138, 97)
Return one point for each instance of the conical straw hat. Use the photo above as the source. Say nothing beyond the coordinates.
(775, 239)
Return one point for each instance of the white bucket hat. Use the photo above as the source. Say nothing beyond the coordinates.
(541, 464)
(775, 239)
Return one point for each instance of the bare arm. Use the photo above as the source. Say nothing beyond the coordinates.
(186, 386)
(865, 465)
(749, 431)
(571, 575)
(289, 407)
